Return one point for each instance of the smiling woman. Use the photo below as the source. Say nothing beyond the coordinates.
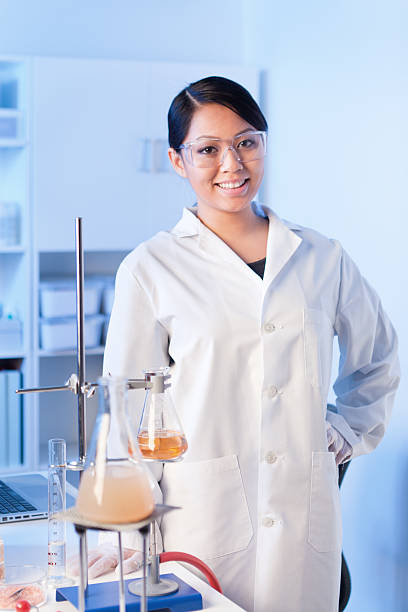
(243, 307)
(223, 159)
(217, 138)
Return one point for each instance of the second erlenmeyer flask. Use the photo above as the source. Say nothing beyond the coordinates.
(160, 435)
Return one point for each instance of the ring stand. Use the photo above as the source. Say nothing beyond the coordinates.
(82, 524)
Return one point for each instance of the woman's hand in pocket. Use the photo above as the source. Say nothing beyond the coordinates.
(337, 444)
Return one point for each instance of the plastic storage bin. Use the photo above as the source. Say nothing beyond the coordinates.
(107, 298)
(61, 334)
(58, 298)
(105, 329)
(9, 127)
(9, 224)
(10, 334)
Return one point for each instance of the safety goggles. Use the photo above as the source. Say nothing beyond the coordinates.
(211, 152)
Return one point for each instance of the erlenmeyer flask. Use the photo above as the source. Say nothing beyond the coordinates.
(114, 487)
(160, 435)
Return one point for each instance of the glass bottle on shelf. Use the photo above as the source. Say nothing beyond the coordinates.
(160, 435)
(116, 486)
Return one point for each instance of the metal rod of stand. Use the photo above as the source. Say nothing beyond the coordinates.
(83, 569)
(143, 603)
(79, 254)
(122, 604)
(155, 585)
(154, 568)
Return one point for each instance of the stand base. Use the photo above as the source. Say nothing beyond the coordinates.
(104, 597)
(164, 587)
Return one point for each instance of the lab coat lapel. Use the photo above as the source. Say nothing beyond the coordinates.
(189, 224)
(282, 244)
(210, 243)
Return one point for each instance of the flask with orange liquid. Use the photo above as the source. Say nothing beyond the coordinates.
(160, 435)
(115, 487)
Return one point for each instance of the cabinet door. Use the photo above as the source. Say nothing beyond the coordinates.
(87, 118)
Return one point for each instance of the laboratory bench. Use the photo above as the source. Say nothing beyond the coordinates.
(26, 543)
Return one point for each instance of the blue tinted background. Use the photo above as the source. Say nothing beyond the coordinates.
(335, 91)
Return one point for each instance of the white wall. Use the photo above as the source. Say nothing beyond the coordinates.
(157, 30)
(336, 96)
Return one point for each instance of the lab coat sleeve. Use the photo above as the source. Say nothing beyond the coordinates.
(368, 369)
(136, 340)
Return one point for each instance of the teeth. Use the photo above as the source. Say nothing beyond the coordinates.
(232, 185)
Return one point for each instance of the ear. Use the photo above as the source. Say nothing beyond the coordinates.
(177, 162)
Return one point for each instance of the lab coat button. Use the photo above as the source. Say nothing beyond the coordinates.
(269, 327)
(267, 521)
(272, 391)
(270, 457)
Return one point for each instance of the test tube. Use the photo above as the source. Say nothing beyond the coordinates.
(57, 465)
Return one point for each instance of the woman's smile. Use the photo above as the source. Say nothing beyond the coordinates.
(234, 187)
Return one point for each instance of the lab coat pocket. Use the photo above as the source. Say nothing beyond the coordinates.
(317, 338)
(214, 518)
(325, 511)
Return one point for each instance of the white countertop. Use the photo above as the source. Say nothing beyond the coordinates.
(26, 542)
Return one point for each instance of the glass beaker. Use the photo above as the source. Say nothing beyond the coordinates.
(115, 487)
(160, 435)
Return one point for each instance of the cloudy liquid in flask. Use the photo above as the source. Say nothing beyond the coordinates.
(123, 496)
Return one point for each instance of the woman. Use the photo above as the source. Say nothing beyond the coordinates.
(244, 307)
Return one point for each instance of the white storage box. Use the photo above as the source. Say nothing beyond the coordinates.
(105, 329)
(10, 334)
(9, 224)
(61, 334)
(58, 298)
(10, 121)
(107, 298)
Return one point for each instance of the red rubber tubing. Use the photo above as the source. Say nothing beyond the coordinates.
(186, 558)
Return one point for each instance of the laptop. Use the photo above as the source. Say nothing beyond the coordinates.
(24, 497)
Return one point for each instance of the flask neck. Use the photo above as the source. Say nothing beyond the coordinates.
(112, 428)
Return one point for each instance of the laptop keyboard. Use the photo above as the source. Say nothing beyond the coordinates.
(11, 502)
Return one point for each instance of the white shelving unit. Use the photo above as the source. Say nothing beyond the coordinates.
(77, 151)
(15, 259)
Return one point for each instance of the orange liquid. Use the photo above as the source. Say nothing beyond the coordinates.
(165, 445)
(126, 496)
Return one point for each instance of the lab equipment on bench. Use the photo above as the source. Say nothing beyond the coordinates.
(102, 597)
(116, 488)
(57, 464)
(23, 582)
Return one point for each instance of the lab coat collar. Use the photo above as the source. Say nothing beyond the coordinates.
(283, 241)
(189, 224)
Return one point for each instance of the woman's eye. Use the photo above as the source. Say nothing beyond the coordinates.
(246, 144)
(208, 150)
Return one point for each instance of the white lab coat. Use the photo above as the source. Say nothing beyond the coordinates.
(251, 364)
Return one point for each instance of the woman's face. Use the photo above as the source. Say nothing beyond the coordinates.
(231, 186)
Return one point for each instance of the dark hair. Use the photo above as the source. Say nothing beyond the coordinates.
(216, 90)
